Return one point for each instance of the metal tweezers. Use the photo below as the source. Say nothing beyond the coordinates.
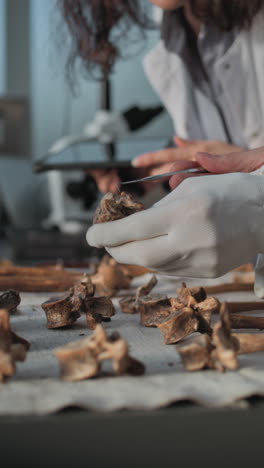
(196, 170)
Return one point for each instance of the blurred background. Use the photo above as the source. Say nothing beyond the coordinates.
(45, 215)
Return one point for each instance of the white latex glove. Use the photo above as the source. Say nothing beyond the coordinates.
(204, 228)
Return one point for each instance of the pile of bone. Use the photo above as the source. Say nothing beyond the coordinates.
(219, 350)
(64, 311)
(178, 317)
(78, 360)
(83, 359)
(12, 347)
(191, 312)
(91, 295)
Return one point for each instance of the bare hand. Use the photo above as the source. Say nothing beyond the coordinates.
(242, 161)
(159, 162)
(107, 179)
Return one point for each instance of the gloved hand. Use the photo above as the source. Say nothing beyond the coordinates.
(204, 228)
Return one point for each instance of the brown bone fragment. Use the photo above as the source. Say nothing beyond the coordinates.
(64, 311)
(146, 289)
(12, 347)
(133, 271)
(153, 310)
(130, 304)
(50, 278)
(185, 295)
(59, 312)
(37, 279)
(226, 346)
(217, 352)
(82, 359)
(10, 300)
(183, 323)
(220, 351)
(38, 283)
(189, 312)
(110, 278)
(176, 304)
(78, 360)
(100, 305)
(116, 206)
(196, 354)
(229, 287)
(244, 278)
(250, 342)
(18, 340)
(179, 325)
(117, 350)
(210, 306)
(56, 271)
(246, 268)
(98, 309)
(235, 307)
(244, 321)
(80, 293)
(92, 321)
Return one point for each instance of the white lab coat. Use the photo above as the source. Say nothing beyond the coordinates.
(241, 75)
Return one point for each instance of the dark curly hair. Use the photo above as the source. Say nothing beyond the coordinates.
(98, 27)
(227, 14)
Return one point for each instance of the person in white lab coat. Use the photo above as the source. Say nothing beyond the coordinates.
(209, 79)
(206, 225)
(207, 69)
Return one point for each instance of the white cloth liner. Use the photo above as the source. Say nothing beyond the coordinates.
(37, 388)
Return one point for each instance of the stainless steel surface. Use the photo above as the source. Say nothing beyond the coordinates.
(196, 170)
